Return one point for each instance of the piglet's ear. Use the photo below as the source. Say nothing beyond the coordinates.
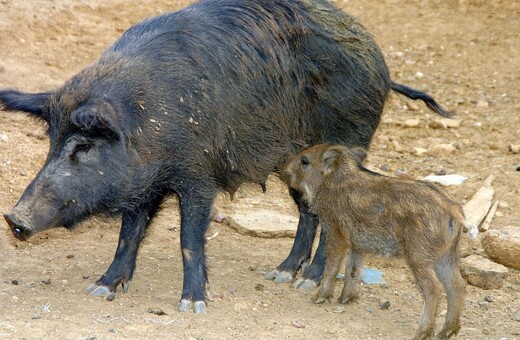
(331, 158)
(359, 153)
(99, 119)
(34, 103)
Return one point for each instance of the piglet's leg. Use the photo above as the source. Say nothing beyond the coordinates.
(336, 248)
(131, 234)
(350, 292)
(195, 219)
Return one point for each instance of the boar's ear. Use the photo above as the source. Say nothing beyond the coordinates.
(331, 158)
(98, 119)
(33, 103)
(360, 154)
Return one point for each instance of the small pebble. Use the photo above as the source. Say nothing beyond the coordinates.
(412, 123)
(514, 148)
(482, 104)
(14, 282)
(36, 317)
(489, 298)
(402, 174)
(47, 282)
(419, 151)
(260, 287)
(232, 290)
(338, 310)
(384, 304)
(503, 205)
(112, 330)
(156, 311)
(70, 256)
(298, 324)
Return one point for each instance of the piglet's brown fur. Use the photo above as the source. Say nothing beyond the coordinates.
(365, 212)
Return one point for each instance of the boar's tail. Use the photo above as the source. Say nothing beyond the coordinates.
(427, 99)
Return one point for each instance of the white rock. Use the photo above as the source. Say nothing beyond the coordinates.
(446, 180)
(412, 123)
(419, 151)
(514, 148)
(4, 137)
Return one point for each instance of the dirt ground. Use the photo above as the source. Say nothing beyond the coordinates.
(465, 53)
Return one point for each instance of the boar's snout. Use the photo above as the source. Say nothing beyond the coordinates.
(20, 230)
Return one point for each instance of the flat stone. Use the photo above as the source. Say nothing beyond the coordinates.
(263, 223)
(503, 246)
(483, 273)
(444, 123)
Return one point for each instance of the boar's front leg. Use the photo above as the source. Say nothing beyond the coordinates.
(300, 254)
(195, 219)
(134, 223)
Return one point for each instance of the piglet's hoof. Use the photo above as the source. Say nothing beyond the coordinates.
(305, 283)
(101, 291)
(279, 277)
(199, 307)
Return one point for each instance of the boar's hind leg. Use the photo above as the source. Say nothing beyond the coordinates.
(301, 250)
(195, 219)
(122, 268)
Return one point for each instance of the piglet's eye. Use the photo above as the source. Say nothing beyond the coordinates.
(304, 161)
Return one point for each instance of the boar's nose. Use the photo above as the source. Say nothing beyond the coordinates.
(20, 231)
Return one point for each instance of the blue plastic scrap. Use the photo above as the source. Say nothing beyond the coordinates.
(370, 276)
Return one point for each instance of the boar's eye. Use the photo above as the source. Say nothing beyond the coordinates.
(304, 162)
(83, 147)
(80, 147)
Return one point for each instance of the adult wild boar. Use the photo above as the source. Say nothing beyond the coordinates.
(197, 101)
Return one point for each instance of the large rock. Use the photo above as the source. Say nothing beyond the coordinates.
(263, 223)
(483, 273)
(503, 246)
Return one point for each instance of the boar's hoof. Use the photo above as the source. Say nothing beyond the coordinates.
(279, 277)
(101, 291)
(305, 283)
(199, 307)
